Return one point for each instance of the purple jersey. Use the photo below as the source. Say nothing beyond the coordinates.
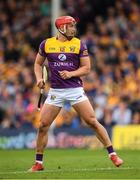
(63, 56)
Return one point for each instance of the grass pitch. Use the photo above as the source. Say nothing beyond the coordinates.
(69, 164)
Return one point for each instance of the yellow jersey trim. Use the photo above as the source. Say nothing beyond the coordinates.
(52, 45)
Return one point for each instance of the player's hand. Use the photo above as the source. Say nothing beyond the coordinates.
(41, 84)
(65, 74)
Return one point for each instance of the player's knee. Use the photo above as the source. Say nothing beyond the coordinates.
(44, 126)
(92, 121)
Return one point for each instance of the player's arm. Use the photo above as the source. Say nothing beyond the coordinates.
(40, 58)
(38, 70)
(84, 68)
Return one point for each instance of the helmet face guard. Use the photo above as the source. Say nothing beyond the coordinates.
(64, 20)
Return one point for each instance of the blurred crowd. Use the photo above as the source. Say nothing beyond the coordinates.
(112, 36)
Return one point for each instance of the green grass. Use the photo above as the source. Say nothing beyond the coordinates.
(69, 164)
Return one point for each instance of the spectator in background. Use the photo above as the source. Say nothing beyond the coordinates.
(67, 117)
(136, 118)
(122, 114)
(107, 122)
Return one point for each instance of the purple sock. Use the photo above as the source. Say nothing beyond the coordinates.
(39, 157)
(110, 149)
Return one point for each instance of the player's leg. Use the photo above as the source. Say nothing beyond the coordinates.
(47, 116)
(86, 111)
(49, 111)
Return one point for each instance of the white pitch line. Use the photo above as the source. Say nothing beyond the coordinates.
(70, 170)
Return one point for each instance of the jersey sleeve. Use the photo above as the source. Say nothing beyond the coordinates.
(83, 50)
(42, 49)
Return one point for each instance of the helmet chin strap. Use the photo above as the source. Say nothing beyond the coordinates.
(64, 33)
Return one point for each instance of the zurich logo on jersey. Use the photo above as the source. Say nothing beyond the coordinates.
(62, 57)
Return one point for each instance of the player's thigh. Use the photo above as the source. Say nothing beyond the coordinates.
(85, 110)
(49, 113)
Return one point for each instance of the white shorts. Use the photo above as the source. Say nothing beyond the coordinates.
(58, 97)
